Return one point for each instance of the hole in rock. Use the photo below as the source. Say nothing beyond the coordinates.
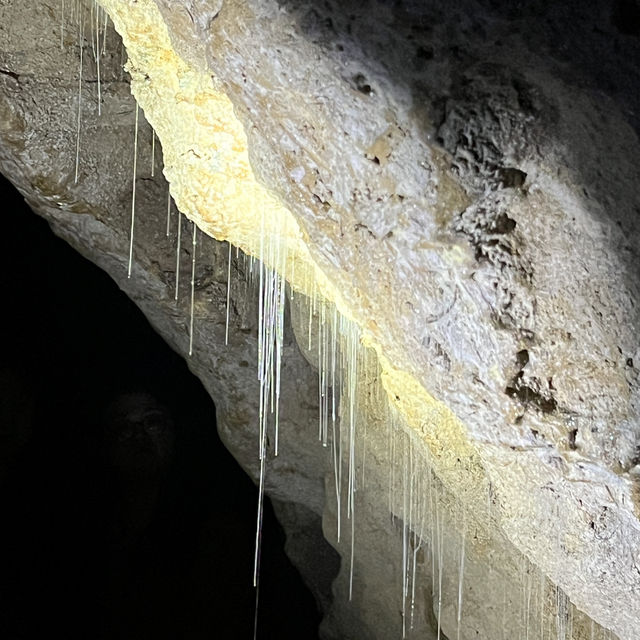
(122, 516)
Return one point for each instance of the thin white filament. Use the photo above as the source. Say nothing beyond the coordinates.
(91, 26)
(226, 326)
(178, 255)
(461, 578)
(168, 211)
(104, 32)
(353, 544)
(193, 286)
(79, 119)
(262, 412)
(439, 525)
(541, 599)
(258, 541)
(404, 545)
(62, 25)
(97, 57)
(133, 191)
(153, 153)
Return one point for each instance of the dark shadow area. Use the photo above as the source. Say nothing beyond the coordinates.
(123, 516)
(437, 44)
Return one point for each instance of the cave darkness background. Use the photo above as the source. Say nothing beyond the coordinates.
(72, 343)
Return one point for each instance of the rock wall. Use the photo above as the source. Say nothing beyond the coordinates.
(458, 181)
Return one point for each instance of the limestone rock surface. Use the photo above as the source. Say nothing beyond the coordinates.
(462, 179)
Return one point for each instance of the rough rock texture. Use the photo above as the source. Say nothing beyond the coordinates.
(463, 176)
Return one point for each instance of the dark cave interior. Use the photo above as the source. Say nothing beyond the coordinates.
(138, 531)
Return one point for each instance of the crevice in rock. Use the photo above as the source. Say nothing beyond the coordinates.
(529, 391)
